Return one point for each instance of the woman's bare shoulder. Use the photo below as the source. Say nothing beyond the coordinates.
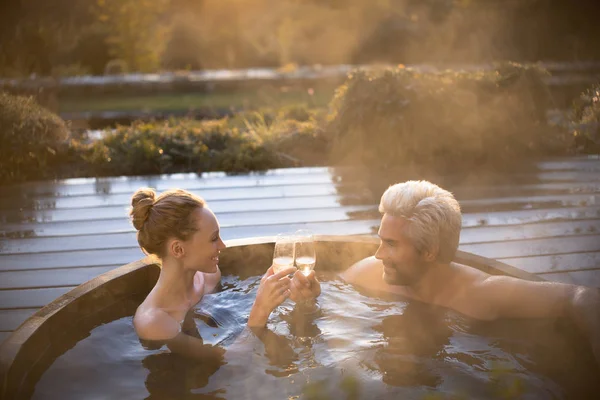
(152, 323)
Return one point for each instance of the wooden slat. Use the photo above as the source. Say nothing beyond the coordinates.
(73, 259)
(212, 194)
(519, 202)
(11, 319)
(71, 187)
(30, 298)
(535, 247)
(570, 176)
(255, 202)
(290, 204)
(556, 262)
(83, 186)
(128, 239)
(51, 277)
(497, 250)
(529, 216)
(3, 336)
(225, 219)
(469, 235)
(479, 234)
(243, 219)
(499, 191)
(103, 200)
(585, 278)
(583, 164)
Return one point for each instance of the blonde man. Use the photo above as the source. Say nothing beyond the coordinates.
(419, 234)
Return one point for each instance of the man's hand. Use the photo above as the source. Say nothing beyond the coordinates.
(304, 288)
(273, 290)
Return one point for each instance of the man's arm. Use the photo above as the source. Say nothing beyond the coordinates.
(507, 297)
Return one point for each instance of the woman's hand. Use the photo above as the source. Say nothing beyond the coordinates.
(273, 290)
(304, 288)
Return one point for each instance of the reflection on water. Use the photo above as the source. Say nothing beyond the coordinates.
(353, 346)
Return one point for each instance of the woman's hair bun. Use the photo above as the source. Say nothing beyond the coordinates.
(141, 205)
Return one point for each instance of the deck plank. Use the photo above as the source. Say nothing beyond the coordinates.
(41, 202)
(69, 259)
(127, 185)
(586, 278)
(498, 250)
(211, 194)
(258, 203)
(556, 262)
(83, 186)
(535, 247)
(547, 222)
(289, 204)
(30, 298)
(51, 277)
(11, 319)
(121, 224)
(128, 239)
(469, 235)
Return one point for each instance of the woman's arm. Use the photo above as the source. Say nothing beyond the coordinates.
(273, 290)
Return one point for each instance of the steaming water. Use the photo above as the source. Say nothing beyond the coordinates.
(355, 346)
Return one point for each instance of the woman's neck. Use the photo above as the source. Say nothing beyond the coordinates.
(175, 284)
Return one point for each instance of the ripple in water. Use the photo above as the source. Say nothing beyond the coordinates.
(354, 346)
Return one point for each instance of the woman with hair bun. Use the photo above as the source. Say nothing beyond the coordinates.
(180, 229)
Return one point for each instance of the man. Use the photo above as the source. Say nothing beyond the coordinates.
(419, 233)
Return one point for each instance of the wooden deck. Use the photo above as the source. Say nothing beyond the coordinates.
(56, 235)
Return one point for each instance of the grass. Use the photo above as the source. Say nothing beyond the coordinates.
(265, 97)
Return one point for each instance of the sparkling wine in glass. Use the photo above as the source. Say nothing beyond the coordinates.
(305, 251)
(283, 255)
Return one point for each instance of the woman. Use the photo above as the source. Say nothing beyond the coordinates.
(183, 232)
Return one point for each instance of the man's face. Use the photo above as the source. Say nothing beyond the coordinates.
(403, 265)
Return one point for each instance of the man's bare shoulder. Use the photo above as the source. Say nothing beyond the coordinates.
(155, 324)
(366, 272)
(466, 275)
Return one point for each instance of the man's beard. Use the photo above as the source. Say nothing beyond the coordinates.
(399, 278)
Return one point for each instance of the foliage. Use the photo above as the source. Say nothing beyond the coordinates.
(398, 118)
(247, 142)
(585, 121)
(137, 31)
(39, 35)
(31, 137)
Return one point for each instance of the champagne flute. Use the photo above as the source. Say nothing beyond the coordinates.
(283, 254)
(305, 251)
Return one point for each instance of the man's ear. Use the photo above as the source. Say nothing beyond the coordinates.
(176, 249)
(431, 254)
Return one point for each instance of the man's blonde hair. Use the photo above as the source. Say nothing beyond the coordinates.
(433, 213)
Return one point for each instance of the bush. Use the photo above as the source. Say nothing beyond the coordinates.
(585, 121)
(247, 142)
(451, 121)
(31, 138)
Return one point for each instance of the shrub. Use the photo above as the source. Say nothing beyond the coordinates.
(31, 138)
(585, 121)
(247, 142)
(437, 122)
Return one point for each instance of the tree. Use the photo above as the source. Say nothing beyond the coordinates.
(137, 31)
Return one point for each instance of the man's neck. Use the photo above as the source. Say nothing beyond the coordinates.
(432, 283)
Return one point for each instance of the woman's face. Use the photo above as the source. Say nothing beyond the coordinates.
(202, 249)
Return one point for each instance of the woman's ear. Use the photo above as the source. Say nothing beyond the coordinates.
(176, 249)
